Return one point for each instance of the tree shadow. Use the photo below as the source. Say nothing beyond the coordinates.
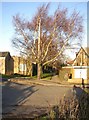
(14, 94)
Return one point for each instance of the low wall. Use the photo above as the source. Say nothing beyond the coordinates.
(77, 80)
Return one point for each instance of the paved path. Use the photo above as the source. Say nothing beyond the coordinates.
(30, 98)
(53, 82)
(27, 99)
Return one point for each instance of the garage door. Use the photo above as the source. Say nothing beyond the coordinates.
(80, 73)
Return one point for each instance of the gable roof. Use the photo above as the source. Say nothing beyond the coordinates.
(70, 62)
(4, 54)
(86, 50)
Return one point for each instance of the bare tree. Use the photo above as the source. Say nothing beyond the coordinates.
(46, 37)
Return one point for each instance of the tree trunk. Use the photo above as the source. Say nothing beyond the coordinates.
(39, 53)
(39, 71)
(31, 70)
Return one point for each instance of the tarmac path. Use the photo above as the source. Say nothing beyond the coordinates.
(18, 99)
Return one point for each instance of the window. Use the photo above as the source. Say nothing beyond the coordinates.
(22, 67)
(84, 55)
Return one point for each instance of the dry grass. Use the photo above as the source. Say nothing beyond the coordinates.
(75, 109)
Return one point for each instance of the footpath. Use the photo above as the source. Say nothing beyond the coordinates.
(35, 100)
(45, 82)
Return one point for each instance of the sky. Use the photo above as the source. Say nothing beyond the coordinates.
(28, 10)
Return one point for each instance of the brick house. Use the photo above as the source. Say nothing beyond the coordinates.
(81, 64)
(14, 64)
(6, 63)
(20, 65)
(80, 67)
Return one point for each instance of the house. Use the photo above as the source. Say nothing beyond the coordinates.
(80, 68)
(77, 70)
(20, 65)
(81, 64)
(14, 64)
(6, 63)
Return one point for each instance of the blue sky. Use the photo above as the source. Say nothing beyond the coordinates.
(28, 10)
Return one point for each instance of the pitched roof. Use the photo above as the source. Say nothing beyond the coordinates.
(87, 50)
(4, 54)
(70, 62)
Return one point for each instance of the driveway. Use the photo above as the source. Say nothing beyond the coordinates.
(20, 99)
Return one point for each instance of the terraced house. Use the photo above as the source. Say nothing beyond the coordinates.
(12, 65)
(20, 66)
(6, 63)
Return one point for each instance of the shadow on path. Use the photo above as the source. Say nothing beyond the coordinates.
(15, 94)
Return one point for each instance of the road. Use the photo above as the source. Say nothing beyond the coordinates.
(20, 99)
